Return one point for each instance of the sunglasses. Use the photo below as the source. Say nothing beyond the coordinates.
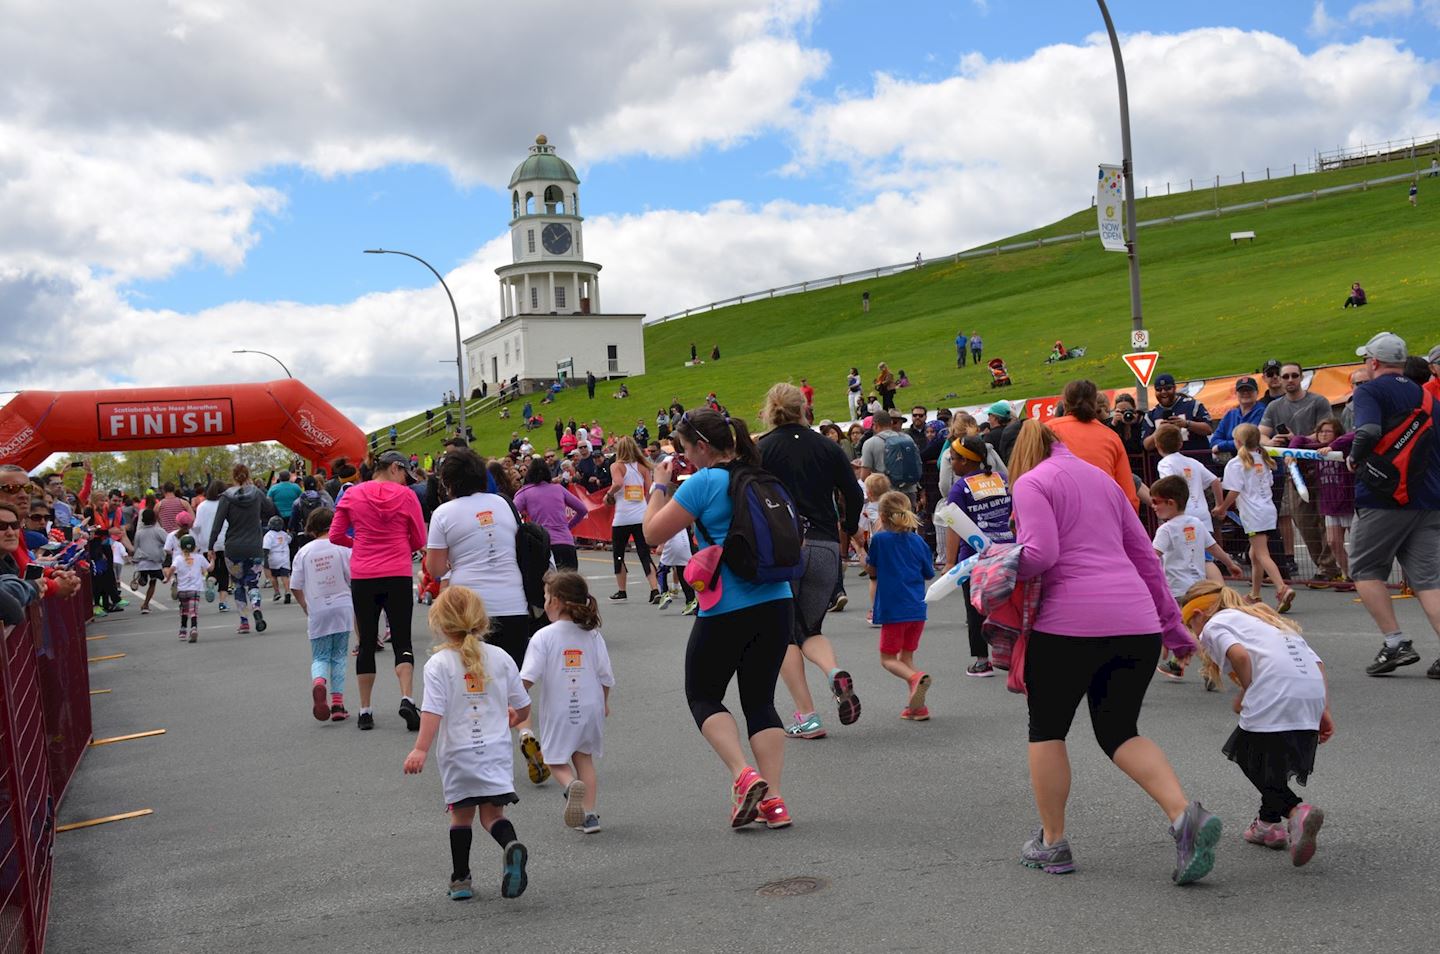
(685, 420)
(36, 516)
(1270, 372)
(1290, 377)
(12, 488)
(9, 524)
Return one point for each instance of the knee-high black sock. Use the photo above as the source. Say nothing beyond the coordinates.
(503, 832)
(460, 837)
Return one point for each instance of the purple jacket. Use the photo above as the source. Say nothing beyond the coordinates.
(545, 504)
(1100, 573)
(1337, 483)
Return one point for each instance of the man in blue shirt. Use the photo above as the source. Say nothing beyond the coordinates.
(1385, 529)
(1250, 411)
(1180, 410)
(962, 341)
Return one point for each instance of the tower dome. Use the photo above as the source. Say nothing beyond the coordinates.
(542, 163)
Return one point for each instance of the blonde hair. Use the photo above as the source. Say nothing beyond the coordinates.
(458, 616)
(1031, 447)
(896, 515)
(876, 486)
(962, 425)
(784, 404)
(573, 592)
(628, 452)
(1247, 448)
(1228, 599)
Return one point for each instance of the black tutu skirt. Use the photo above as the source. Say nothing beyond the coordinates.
(1289, 755)
(499, 801)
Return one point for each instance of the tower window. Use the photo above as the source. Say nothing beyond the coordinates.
(534, 298)
(559, 296)
(554, 200)
(530, 241)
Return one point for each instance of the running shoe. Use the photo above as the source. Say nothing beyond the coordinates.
(574, 804)
(842, 687)
(773, 813)
(1320, 581)
(654, 597)
(244, 628)
(184, 635)
(462, 890)
(591, 824)
(514, 880)
(1170, 669)
(1388, 660)
(746, 794)
(618, 596)
(275, 598)
(338, 713)
(410, 714)
(224, 607)
(319, 707)
(665, 600)
(1285, 600)
(287, 599)
(806, 727)
(210, 589)
(260, 623)
(1195, 840)
(981, 668)
(366, 722)
(1052, 859)
(841, 601)
(921, 714)
(144, 611)
(1268, 834)
(1302, 826)
(1434, 671)
(530, 748)
(691, 608)
(919, 685)
(194, 635)
(122, 604)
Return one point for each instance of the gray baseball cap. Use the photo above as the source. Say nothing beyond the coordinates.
(1434, 356)
(1386, 348)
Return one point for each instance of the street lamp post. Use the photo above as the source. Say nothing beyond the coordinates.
(459, 357)
(268, 355)
(1127, 170)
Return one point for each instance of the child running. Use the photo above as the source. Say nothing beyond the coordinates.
(321, 582)
(876, 486)
(473, 696)
(570, 658)
(899, 563)
(188, 571)
(675, 555)
(1284, 708)
(1249, 476)
(277, 558)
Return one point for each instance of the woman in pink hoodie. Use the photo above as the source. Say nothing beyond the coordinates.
(381, 520)
(1105, 611)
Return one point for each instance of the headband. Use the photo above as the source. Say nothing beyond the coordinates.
(1197, 606)
(958, 446)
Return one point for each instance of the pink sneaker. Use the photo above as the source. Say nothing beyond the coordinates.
(919, 685)
(1268, 834)
(774, 814)
(747, 793)
(921, 714)
(320, 707)
(1303, 825)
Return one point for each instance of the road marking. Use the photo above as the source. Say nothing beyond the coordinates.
(95, 659)
(97, 637)
(98, 692)
(127, 738)
(73, 826)
(135, 593)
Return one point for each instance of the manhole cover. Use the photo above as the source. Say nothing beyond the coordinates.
(791, 887)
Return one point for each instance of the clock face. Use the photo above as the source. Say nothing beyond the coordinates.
(556, 238)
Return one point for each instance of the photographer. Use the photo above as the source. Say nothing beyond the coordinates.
(1125, 421)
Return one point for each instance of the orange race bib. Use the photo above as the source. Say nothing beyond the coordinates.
(985, 486)
(573, 657)
(486, 518)
(634, 493)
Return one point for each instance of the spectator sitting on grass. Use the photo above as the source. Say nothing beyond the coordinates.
(1357, 296)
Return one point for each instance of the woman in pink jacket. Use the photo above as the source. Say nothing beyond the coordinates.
(1105, 611)
(381, 520)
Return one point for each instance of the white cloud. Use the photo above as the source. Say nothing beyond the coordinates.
(1322, 24)
(1377, 11)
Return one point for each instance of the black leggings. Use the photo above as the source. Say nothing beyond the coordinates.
(564, 556)
(512, 634)
(221, 572)
(395, 596)
(619, 536)
(750, 642)
(979, 648)
(1111, 672)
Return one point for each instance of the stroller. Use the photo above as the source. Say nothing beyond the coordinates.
(999, 374)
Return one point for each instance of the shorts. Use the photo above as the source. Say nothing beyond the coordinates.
(1345, 520)
(1378, 537)
(815, 589)
(897, 638)
(279, 571)
(151, 576)
(499, 801)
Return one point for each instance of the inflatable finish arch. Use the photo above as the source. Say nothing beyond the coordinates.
(37, 424)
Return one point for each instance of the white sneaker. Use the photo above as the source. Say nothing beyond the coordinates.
(665, 600)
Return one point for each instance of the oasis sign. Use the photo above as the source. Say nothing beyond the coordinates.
(161, 420)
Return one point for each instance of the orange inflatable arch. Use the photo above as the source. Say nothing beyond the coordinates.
(37, 424)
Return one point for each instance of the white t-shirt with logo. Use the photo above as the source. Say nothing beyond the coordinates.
(1257, 507)
(479, 533)
(572, 666)
(676, 551)
(475, 754)
(1287, 688)
(1181, 542)
(322, 573)
(1196, 477)
(277, 549)
(190, 575)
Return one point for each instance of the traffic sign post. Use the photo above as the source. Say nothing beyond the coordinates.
(1142, 363)
(1140, 340)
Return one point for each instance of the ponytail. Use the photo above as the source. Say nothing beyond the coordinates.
(896, 515)
(458, 615)
(571, 590)
(720, 431)
(1247, 448)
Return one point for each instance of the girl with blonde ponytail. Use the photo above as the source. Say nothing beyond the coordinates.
(473, 696)
(570, 657)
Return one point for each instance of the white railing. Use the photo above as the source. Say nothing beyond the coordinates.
(1377, 152)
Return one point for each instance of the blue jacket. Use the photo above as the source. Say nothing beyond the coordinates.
(1222, 439)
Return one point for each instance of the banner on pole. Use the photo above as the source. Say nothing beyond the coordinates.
(1109, 204)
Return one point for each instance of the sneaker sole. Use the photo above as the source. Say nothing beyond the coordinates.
(260, 623)
(840, 603)
(981, 675)
(530, 748)
(411, 717)
(917, 694)
(1304, 849)
(193, 637)
(462, 894)
(514, 881)
(816, 734)
(590, 830)
(1067, 867)
(843, 688)
(749, 806)
(320, 705)
(1204, 858)
(574, 805)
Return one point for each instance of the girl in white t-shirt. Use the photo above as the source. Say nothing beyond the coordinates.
(1284, 708)
(675, 555)
(277, 557)
(876, 486)
(320, 580)
(188, 571)
(473, 696)
(1248, 478)
(569, 657)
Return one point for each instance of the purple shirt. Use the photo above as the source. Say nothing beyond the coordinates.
(1099, 572)
(545, 504)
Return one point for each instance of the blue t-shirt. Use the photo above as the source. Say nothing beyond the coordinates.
(706, 496)
(902, 564)
(986, 500)
(1386, 401)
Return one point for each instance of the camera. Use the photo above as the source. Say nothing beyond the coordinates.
(1129, 416)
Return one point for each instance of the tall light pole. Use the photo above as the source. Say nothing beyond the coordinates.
(1137, 322)
(459, 357)
(268, 355)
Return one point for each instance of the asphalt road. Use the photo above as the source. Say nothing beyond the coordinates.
(273, 832)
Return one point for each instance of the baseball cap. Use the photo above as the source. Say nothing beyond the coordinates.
(1272, 365)
(1164, 380)
(1434, 356)
(703, 573)
(184, 519)
(395, 457)
(1386, 347)
(882, 418)
(999, 409)
(1246, 384)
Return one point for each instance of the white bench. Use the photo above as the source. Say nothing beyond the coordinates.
(1235, 237)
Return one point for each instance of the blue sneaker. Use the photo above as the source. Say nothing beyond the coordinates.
(1052, 859)
(514, 880)
(806, 727)
(461, 890)
(1195, 838)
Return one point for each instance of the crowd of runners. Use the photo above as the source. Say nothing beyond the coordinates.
(759, 535)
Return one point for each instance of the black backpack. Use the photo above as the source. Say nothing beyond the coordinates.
(1399, 461)
(767, 538)
(532, 555)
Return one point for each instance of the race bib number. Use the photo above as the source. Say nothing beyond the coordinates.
(634, 493)
(985, 486)
(486, 518)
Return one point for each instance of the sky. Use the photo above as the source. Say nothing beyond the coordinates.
(181, 178)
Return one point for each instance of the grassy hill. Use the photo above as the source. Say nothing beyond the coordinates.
(1212, 308)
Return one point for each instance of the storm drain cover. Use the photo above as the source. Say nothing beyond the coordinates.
(791, 887)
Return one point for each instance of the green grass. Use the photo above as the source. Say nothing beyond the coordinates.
(1212, 309)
